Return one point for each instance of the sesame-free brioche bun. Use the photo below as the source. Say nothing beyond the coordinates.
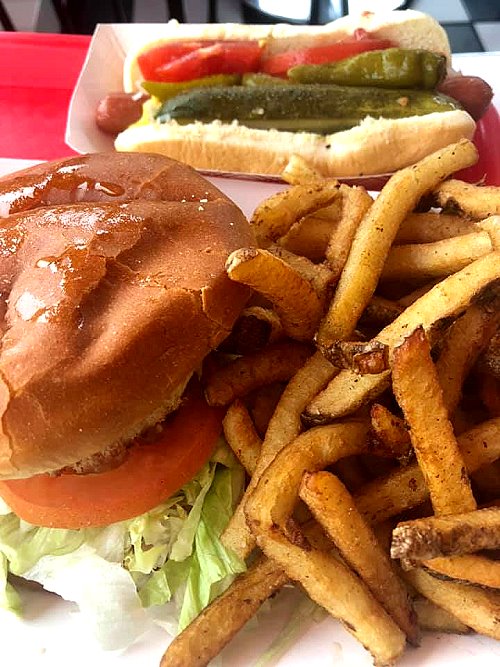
(113, 291)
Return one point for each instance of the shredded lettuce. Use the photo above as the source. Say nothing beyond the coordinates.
(169, 554)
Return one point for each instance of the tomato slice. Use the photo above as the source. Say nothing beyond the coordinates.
(279, 64)
(150, 474)
(150, 60)
(207, 59)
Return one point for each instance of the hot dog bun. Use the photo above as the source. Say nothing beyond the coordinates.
(108, 304)
(376, 146)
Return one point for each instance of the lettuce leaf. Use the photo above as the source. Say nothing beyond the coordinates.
(171, 553)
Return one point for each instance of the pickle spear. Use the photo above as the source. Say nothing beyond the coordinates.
(300, 108)
(389, 68)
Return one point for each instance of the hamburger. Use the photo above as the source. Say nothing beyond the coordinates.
(114, 481)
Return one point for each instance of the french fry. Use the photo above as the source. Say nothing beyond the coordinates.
(319, 275)
(421, 262)
(253, 330)
(470, 569)
(275, 363)
(476, 201)
(310, 235)
(492, 226)
(217, 624)
(432, 617)
(419, 394)
(241, 435)
(348, 391)
(430, 227)
(333, 507)
(392, 436)
(297, 303)
(462, 345)
(326, 580)
(299, 172)
(273, 218)
(377, 231)
(452, 535)
(476, 608)
(361, 357)
(284, 427)
(355, 203)
(405, 488)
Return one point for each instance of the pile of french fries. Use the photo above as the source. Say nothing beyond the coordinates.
(362, 388)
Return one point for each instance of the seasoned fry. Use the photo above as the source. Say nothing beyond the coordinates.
(420, 262)
(355, 203)
(319, 275)
(392, 436)
(275, 363)
(432, 617)
(361, 357)
(284, 427)
(476, 608)
(207, 635)
(299, 172)
(253, 330)
(477, 201)
(326, 580)
(297, 302)
(451, 535)
(462, 345)
(419, 394)
(492, 226)
(274, 217)
(430, 227)
(348, 391)
(377, 231)
(241, 435)
(470, 569)
(310, 235)
(333, 507)
(405, 488)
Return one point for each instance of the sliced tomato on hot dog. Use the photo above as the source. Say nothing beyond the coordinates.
(185, 61)
(279, 64)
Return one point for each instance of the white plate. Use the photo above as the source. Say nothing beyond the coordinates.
(52, 633)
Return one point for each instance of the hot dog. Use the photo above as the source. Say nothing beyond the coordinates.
(374, 144)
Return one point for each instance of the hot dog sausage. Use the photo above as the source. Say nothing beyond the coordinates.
(473, 93)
